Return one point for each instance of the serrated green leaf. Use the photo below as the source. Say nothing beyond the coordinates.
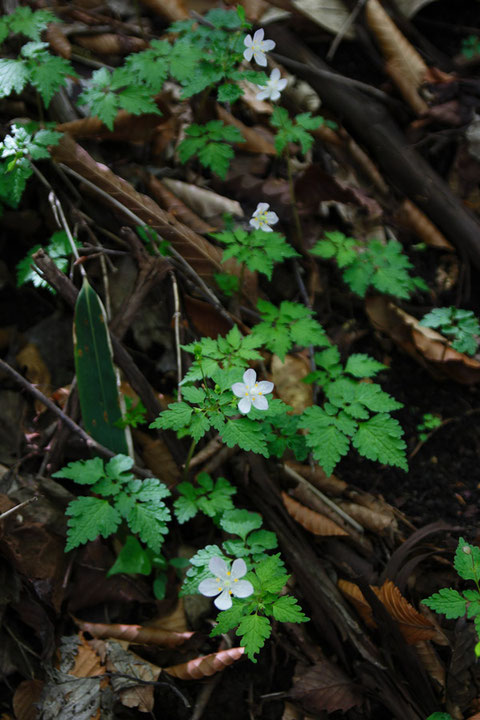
(14, 75)
(286, 609)
(83, 472)
(363, 366)
(149, 522)
(245, 433)
(29, 23)
(254, 630)
(199, 570)
(467, 560)
(240, 522)
(328, 443)
(176, 417)
(89, 518)
(448, 602)
(380, 438)
(48, 73)
(271, 574)
(131, 559)
(229, 619)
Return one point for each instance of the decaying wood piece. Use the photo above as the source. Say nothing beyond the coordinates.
(370, 123)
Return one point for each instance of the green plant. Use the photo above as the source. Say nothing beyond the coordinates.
(372, 263)
(122, 498)
(211, 497)
(297, 130)
(255, 249)
(209, 143)
(429, 423)
(460, 326)
(59, 250)
(454, 604)
(354, 413)
(287, 325)
(470, 46)
(135, 413)
(229, 284)
(35, 65)
(25, 144)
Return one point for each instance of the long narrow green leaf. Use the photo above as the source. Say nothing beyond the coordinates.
(96, 380)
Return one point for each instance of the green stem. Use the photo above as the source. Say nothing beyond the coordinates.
(188, 460)
(240, 284)
(293, 200)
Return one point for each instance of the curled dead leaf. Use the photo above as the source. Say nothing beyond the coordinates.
(170, 202)
(111, 43)
(205, 202)
(312, 521)
(138, 634)
(207, 665)
(425, 345)
(58, 41)
(255, 142)
(318, 477)
(409, 215)
(25, 700)
(431, 662)
(169, 9)
(126, 127)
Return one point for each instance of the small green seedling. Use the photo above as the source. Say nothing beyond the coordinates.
(470, 46)
(461, 327)
(429, 423)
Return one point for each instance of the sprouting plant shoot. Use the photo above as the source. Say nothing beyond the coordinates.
(461, 327)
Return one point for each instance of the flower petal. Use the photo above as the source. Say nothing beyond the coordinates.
(261, 208)
(250, 377)
(265, 387)
(268, 45)
(239, 389)
(218, 567)
(260, 57)
(262, 95)
(223, 601)
(209, 587)
(271, 217)
(275, 75)
(254, 223)
(245, 405)
(258, 37)
(275, 95)
(266, 228)
(239, 569)
(242, 589)
(260, 402)
(248, 41)
(282, 84)
(248, 54)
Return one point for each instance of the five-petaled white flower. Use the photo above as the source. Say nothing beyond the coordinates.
(226, 582)
(273, 88)
(252, 392)
(262, 219)
(257, 47)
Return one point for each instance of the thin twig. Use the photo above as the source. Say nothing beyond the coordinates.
(17, 507)
(346, 25)
(90, 442)
(177, 316)
(293, 474)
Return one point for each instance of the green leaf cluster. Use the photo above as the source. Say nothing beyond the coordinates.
(24, 21)
(135, 413)
(294, 131)
(35, 66)
(354, 413)
(382, 266)
(149, 68)
(471, 46)
(117, 496)
(258, 250)
(210, 54)
(211, 497)
(109, 92)
(452, 603)
(429, 423)
(460, 326)
(58, 249)
(17, 150)
(230, 352)
(287, 325)
(209, 143)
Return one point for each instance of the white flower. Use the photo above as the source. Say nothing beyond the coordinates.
(262, 219)
(226, 582)
(257, 47)
(273, 88)
(252, 392)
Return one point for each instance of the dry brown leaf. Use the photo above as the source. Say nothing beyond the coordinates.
(87, 660)
(25, 700)
(157, 457)
(312, 521)
(110, 43)
(318, 477)
(374, 521)
(127, 127)
(414, 626)
(325, 686)
(33, 366)
(205, 318)
(170, 9)
(58, 41)
(121, 662)
(198, 252)
(287, 377)
(170, 202)
(404, 64)
(409, 215)
(254, 141)
(207, 665)
(427, 346)
(174, 621)
(138, 634)
(431, 662)
(205, 202)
